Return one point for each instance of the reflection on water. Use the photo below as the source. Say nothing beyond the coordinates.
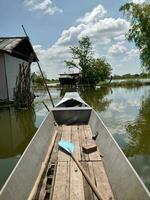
(138, 147)
(139, 130)
(128, 119)
(96, 98)
(15, 125)
(16, 130)
(126, 113)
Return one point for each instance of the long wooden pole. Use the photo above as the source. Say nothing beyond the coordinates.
(44, 82)
(93, 187)
(43, 166)
(46, 106)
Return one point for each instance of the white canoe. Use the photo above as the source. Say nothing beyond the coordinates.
(124, 181)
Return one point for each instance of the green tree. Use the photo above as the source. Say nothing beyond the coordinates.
(92, 70)
(139, 16)
(103, 69)
(37, 78)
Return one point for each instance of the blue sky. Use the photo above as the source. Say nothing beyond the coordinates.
(54, 25)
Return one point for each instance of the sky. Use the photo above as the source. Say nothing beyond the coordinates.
(55, 25)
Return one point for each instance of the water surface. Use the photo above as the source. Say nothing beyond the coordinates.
(126, 113)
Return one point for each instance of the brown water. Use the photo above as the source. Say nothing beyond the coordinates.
(126, 113)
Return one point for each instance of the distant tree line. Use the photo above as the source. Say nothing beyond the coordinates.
(37, 79)
(131, 76)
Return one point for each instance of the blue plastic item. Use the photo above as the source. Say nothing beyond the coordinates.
(68, 146)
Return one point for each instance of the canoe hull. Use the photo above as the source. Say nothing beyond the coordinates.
(125, 182)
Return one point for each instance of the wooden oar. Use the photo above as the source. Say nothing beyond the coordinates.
(43, 167)
(69, 148)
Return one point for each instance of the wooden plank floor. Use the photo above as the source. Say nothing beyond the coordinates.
(67, 181)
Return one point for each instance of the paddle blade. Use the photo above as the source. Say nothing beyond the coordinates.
(67, 146)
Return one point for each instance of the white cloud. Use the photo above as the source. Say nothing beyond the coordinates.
(140, 1)
(46, 6)
(70, 36)
(51, 53)
(105, 30)
(133, 52)
(94, 16)
(117, 50)
(52, 59)
(130, 55)
(102, 31)
(119, 38)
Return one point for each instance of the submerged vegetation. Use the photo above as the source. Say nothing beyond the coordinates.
(130, 83)
(132, 76)
(127, 83)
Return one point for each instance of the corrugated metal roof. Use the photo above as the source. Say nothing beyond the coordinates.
(8, 44)
(77, 73)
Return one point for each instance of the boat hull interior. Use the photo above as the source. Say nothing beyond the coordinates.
(124, 181)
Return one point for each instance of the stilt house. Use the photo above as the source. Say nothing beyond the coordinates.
(16, 56)
(70, 78)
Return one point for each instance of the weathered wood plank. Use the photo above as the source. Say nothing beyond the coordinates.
(87, 189)
(82, 140)
(66, 135)
(102, 181)
(75, 141)
(61, 186)
(94, 156)
(76, 182)
(76, 177)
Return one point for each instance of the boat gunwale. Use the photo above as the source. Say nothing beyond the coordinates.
(23, 154)
(71, 96)
(71, 108)
(121, 152)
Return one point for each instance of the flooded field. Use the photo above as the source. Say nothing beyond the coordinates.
(126, 113)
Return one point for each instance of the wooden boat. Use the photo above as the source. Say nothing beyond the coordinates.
(74, 120)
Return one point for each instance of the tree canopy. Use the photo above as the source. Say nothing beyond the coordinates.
(92, 70)
(139, 33)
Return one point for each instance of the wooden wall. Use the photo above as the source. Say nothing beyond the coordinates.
(12, 70)
(3, 81)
